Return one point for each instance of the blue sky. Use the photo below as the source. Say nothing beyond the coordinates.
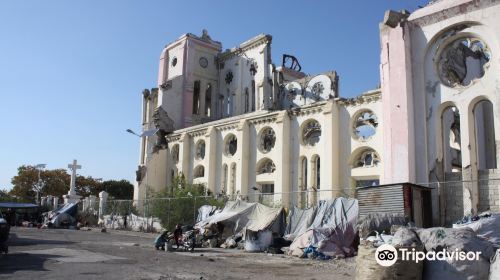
(72, 72)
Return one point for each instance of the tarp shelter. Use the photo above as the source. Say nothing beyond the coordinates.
(205, 211)
(333, 229)
(298, 221)
(65, 216)
(239, 215)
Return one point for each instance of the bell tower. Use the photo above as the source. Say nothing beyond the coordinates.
(187, 80)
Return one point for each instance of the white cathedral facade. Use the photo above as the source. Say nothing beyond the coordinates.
(241, 125)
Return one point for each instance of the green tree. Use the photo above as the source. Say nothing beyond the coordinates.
(122, 189)
(179, 203)
(53, 182)
(5, 197)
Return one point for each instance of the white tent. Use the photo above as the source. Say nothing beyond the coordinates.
(238, 216)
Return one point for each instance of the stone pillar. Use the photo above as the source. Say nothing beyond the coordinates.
(43, 201)
(92, 200)
(85, 204)
(50, 200)
(55, 202)
(103, 197)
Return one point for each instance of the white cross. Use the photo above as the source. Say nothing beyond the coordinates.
(73, 167)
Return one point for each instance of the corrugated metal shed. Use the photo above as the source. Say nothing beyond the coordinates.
(381, 199)
(406, 199)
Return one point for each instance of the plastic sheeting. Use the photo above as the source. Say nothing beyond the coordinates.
(379, 223)
(487, 228)
(298, 221)
(495, 266)
(134, 222)
(239, 215)
(205, 211)
(64, 216)
(337, 212)
(333, 230)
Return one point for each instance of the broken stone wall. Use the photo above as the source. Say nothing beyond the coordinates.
(454, 198)
(488, 190)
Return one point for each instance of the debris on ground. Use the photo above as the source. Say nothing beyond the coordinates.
(368, 268)
(456, 240)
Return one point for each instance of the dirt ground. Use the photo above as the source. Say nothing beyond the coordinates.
(72, 254)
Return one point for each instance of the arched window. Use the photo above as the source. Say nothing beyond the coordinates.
(224, 178)
(199, 171)
(229, 109)
(485, 135)
(196, 98)
(302, 195)
(233, 179)
(200, 150)
(175, 153)
(367, 158)
(247, 101)
(253, 95)
(208, 100)
(452, 151)
(318, 172)
(266, 166)
(303, 183)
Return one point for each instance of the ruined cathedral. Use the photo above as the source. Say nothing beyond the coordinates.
(243, 125)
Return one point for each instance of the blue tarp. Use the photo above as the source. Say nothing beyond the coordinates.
(17, 205)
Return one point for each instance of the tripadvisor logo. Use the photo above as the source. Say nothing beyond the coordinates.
(387, 255)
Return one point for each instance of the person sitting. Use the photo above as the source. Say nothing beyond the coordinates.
(160, 240)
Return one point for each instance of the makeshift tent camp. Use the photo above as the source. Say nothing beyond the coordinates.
(333, 230)
(239, 215)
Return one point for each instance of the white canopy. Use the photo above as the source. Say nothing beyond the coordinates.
(239, 215)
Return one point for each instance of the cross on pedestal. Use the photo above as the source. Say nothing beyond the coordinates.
(73, 167)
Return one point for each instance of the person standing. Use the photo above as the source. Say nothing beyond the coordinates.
(178, 235)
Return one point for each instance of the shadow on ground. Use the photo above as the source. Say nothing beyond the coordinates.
(14, 240)
(11, 263)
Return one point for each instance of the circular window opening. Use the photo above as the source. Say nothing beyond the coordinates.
(175, 153)
(203, 62)
(311, 133)
(231, 145)
(365, 125)
(174, 61)
(463, 61)
(200, 150)
(267, 140)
